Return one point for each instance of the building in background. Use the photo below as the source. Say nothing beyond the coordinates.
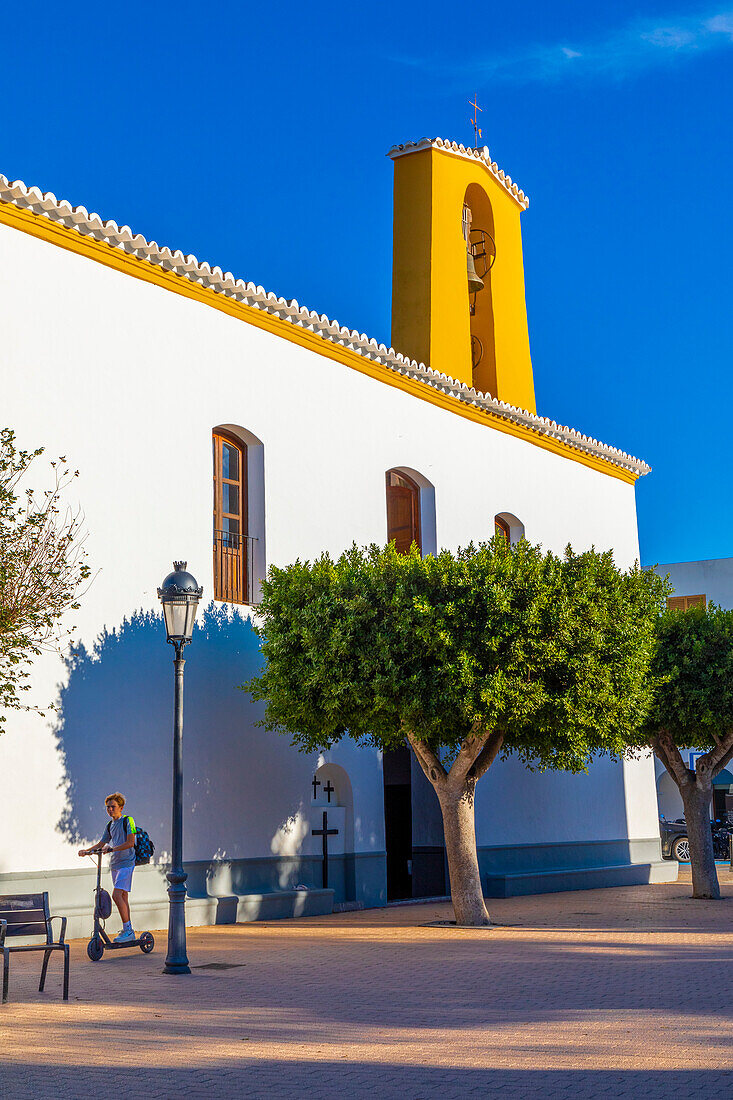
(696, 583)
(215, 422)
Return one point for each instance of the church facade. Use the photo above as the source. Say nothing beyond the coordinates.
(214, 422)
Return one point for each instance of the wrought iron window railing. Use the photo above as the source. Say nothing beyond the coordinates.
(233, 567)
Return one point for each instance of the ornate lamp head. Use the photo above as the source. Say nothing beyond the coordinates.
(180, 594)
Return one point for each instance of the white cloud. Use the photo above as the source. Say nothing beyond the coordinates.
(639, 45)
(721, 24)
(670, 37)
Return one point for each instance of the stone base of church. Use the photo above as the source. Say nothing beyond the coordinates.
(225, 891)
(548, 868)
(358, 877)
(219, 891)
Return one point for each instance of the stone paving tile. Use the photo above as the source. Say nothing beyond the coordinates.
(607, 993)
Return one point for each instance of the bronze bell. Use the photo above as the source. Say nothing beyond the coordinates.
(475, 282)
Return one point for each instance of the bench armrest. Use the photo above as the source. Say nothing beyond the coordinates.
(3, 929)
(49, 926)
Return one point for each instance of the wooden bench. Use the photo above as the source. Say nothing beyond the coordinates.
(28, 915)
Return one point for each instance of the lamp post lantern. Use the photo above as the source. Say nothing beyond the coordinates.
(180, 595)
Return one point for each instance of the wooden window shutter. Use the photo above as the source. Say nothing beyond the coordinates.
(501, 527)
(403, 511)
(231, 557)
(684, 603)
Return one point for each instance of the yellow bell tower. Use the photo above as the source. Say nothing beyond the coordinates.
(458, 300)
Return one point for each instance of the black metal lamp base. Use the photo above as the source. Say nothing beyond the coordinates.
(176, 968)
(176, 961)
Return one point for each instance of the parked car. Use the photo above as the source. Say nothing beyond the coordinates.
(675, 844)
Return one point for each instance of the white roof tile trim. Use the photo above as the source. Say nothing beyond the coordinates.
(481, 155)
(77, 218)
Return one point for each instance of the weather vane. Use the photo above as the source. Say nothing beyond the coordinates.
(474, 121)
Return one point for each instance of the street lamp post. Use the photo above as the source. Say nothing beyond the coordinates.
(180, 595)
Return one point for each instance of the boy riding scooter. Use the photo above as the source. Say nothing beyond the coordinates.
(119, 840)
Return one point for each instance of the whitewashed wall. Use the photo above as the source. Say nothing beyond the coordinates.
(669, 799)
(128, 381)
(712, 578)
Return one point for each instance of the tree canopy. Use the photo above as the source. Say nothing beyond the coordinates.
(551, 651)
(693, 667)
(692, 707)
(494, 649)
(42, 566)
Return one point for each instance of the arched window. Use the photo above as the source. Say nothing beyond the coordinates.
(231, 570)
(403, 511)
(508, 527)
(501, 528)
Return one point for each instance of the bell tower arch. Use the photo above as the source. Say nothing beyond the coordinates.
(478, 336)
(480, 240)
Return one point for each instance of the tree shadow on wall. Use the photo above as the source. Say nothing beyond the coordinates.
(115, 729)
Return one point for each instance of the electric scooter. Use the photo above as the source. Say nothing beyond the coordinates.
(100, 941)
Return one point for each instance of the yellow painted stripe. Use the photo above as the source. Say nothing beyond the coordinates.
(39, 226)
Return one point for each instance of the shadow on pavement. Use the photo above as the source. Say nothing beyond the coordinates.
(327, 1080)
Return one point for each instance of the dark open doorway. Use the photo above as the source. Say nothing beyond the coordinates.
(414, 830)
(720, 808)
(398, 822)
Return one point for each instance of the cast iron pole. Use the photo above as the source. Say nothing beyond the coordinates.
(176, 961)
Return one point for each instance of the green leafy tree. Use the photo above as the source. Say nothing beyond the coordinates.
(693, 707)
(42, 566)
(466, 657)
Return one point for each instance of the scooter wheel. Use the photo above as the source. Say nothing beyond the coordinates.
(147, 943)
(95, 949)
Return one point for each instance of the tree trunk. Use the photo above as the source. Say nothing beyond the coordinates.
(457, 807)
(455, 790)
(696, 798)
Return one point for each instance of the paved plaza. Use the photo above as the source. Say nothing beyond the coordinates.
(604, 993)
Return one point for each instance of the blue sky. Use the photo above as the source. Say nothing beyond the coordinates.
(254, 136)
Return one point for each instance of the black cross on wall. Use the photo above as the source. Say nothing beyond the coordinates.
(329, 789)
(316, 783)
(325, 833)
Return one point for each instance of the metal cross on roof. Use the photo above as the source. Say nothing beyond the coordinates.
(474, 121)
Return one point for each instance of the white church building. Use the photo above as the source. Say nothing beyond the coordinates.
(179, 391)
